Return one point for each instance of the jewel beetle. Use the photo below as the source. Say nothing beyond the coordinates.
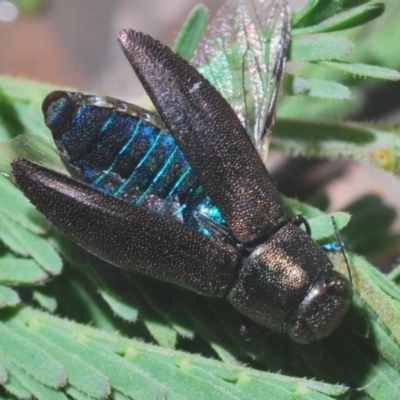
(184, 197)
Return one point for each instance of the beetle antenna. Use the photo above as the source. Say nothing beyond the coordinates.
(300, 220)
(339, 241)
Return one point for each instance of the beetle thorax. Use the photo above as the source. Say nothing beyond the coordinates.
(276, 277)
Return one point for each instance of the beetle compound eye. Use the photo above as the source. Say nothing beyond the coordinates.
(300, 332)
(322, 309)
(59, 109)
(338, 285)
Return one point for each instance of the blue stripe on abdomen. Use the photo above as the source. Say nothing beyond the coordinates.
(128, 157)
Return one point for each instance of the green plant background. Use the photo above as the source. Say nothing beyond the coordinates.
(71, 326)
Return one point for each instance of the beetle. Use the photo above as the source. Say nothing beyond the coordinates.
(185, 197)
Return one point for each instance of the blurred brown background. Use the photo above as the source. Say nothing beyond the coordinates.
(73, 43)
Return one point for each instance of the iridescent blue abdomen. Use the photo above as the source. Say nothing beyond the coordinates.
(126, 151)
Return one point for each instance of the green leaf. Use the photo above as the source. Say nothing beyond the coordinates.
(365, 369)
(81, 301)
(9, 239)
(164, 305)
(30, 357)
(37, 247)
(366, 70)
(18, 208)
(353, 3)
(375, 145)
(378, 294)
(191, 33)
(14, 387)
(3, 374)
(136, 382)
(150, 370)
(8, 298)
(77, 395)
(35, 387)
(159, 330)
(9, 120)
(81, 375)
(21, 271)
(350, 19)
(23, 99)
(319, 48)
(387, 345)
(298, 207)
(322, 226)
(120, 306)
(320, 223)
(312, 131)
(320, 88)
(45, 301)
(314, 12)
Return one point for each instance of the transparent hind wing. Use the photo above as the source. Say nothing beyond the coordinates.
(243, 54)
(37, 148)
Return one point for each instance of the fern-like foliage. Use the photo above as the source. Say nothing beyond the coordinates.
(177, 345)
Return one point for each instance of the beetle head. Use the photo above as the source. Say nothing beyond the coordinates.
(322, 309)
